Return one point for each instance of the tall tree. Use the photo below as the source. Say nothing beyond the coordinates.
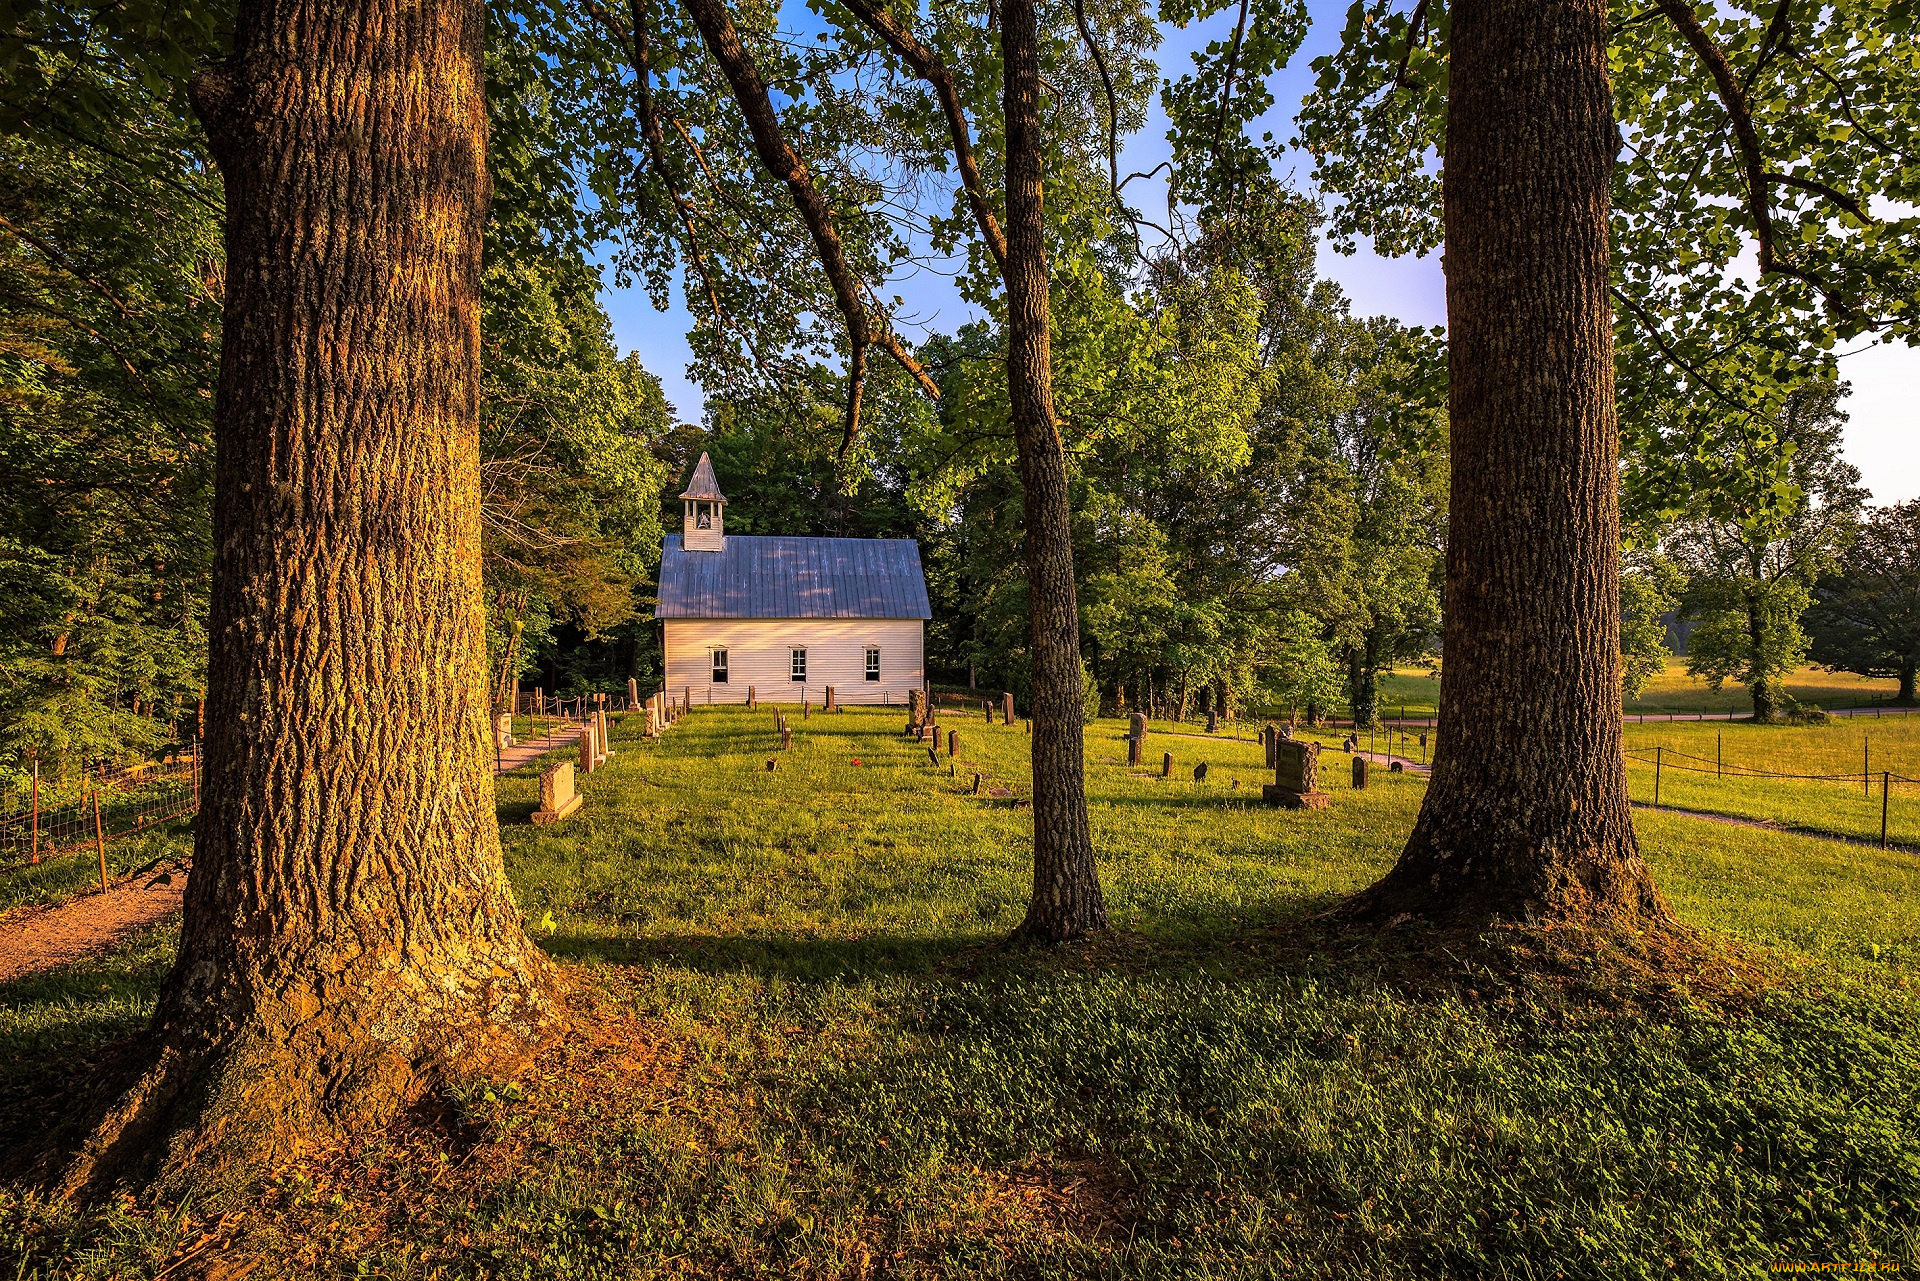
(1783, 511)
(1066, 886)
(1866, 615)
(1763, 104)
(1527, 812)
(349, 936)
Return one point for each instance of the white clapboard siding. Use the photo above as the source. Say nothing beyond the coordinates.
(759, 655)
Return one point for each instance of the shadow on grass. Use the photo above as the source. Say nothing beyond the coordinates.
(873, 956)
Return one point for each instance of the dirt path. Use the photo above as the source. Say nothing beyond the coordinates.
(534, 748)
(46, 938)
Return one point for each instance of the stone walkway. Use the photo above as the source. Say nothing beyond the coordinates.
(44, 938)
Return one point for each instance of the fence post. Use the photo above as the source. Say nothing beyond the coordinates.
(1716, 752)
(1658, 753)
(1885, 777)
(100, 841)
(1865, 788)
(36, 810)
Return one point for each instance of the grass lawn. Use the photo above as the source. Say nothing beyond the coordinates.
(802, 1050)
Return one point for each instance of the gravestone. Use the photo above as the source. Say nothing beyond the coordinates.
(633, 694)
(831, 706)
(1213, 721)
(1296, 777)
(953, 742)
(1006, 708)
(503, 731)
(1200, 772)
(786, 738)
(987, 703)
(1272, 733)
(1166, 765)
(919, 716)
(587, 761)
(976, 785)
(806, 709)
(1136, 737)
(933, 756)
(600, 737)
(1359, 773)
(557, 797)
(1286, 731)
(1353, 743)
(1397, 767)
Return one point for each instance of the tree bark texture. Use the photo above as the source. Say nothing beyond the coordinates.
(1066, 898)
(349, 936)
(1526, 816)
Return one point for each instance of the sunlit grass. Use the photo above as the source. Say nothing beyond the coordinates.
(810, 1054)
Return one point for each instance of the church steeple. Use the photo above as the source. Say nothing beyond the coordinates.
(705, 528)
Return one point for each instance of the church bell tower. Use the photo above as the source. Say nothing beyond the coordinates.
(704, 529)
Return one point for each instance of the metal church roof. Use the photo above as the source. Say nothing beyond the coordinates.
(757, 577)
(704, 483)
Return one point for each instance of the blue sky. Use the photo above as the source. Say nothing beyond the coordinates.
(1884, 406)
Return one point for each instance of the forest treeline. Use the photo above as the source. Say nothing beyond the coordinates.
(1258, 476)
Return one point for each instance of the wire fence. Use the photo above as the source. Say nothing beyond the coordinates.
(111, 803)
(1666, 760)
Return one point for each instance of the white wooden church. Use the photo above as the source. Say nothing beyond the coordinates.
(787, 617)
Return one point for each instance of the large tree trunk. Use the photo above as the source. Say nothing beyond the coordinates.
(1066, 887)
(349, 937)
(1526, 816)
(1905, 696)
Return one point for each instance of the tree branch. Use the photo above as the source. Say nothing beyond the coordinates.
(1734, 99)
(1416, 24)
(1233, 66)
(930, 69)
(1840, 198)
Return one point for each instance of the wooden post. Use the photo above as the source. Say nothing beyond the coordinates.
(976, 785)
(750, 697)
(100, 841)
(1886, 776)
(786, 738)
(36, 805)
(1716, 752)
(1865, 788)
(1658, 753)
(806, 708)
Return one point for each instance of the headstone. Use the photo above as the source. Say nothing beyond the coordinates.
(1273, 743)
(786, 738)
(1166, 765)
(988, 705)
(770, 761)
(806, 709)
(1213, 721)
(1006, 708)
(1200, 772)
(503, 730)
(1353, 743)
(750, 698)
(1286, 731)
(933, 756)
(633, 694)
(1296, 777)
(557, 797)
(976, 785)
(918, 718)
(1423, 740)
(830, 705)
(587, 761)
(1359, 773)
(1397, 767)
(953, 742)
(600, 738)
